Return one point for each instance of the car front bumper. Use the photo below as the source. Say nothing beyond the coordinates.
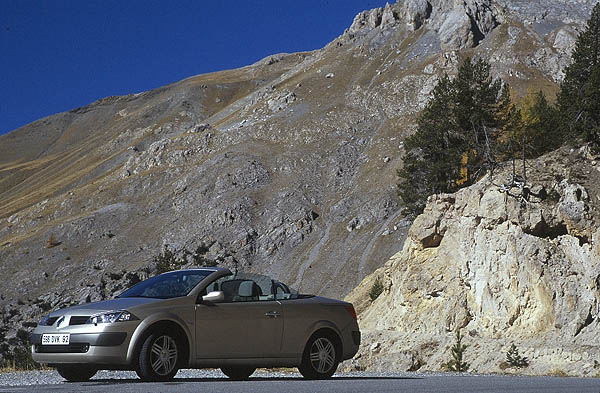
(108, 346)
(114, 356)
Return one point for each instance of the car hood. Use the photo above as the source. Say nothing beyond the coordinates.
(105, 305)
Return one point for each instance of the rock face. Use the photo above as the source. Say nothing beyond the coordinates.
(287, 166)
(500, 268)
(458, 24)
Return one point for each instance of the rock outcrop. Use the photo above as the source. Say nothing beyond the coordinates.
(459, 25)
(503, 267)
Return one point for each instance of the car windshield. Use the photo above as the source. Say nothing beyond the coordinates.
(167, 285)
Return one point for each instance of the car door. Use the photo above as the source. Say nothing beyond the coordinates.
(241, 327)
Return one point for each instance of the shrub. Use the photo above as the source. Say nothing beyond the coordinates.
(52, 242)
(376, 289)
(503, 366)
(457, 362)
(23, 335)
(20, 358)
(557, 372)
(167, 261)
(515, 359)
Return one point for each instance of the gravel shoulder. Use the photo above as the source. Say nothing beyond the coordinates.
(188, 381)
(51, 377)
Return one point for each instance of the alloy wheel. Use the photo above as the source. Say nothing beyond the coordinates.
(163, 355)
(322, 355)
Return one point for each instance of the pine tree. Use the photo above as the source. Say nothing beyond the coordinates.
(432, 161)
(480, 99)
(541, 130)
(515, 359)
(579, 91)
(457, 362)
(167, 261)
(376, 289)
(534, 130)
(456, 135)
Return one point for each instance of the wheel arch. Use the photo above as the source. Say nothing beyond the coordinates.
(167, 322)
(328, 328)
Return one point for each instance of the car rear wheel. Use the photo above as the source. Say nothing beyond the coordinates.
(159, 358)
(76, 372)
(320, 358)
(238, 373)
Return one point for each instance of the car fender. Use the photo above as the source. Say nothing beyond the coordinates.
(317, 325)
(142, 328)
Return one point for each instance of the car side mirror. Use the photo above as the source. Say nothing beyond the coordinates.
(214, 297)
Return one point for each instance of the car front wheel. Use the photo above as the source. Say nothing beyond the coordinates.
(238, 373)
(320, 359)
(76, 372)
(159, 358)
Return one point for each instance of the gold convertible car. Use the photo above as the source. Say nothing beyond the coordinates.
(199, 318)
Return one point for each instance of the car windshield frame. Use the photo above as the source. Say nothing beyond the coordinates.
(168, 285)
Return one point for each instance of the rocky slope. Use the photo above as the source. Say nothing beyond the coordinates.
(286, 166)
(503, 269)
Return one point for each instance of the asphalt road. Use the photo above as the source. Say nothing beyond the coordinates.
(346, 383)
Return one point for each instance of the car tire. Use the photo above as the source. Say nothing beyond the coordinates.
(320, 358)
(158, 360)
(238, 373)
(76, 372)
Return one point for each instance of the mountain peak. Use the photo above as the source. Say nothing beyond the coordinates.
(463, 24)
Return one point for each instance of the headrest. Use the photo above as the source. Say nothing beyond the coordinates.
(246, 289)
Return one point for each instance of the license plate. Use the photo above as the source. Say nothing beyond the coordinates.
(56, 339)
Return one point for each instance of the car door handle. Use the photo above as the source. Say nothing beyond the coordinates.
(273, 314)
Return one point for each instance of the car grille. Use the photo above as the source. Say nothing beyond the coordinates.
(71, 348)
(78, 320)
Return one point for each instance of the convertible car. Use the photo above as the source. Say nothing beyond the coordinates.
(199, 318)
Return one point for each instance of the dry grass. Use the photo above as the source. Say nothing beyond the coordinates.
(557, 372)
(11, 367)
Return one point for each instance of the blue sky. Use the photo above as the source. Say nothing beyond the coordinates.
(56, 55)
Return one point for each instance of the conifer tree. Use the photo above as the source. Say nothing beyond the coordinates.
(432, 161)
(578, 97)
(515, 359)
(458, 363)
(533, 131)
(456, 135)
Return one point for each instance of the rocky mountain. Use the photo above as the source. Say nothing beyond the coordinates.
(503, 268)
(286, 167)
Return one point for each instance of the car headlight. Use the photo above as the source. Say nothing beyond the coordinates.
(111, 317)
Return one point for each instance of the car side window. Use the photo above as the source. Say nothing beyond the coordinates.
(242, 288)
